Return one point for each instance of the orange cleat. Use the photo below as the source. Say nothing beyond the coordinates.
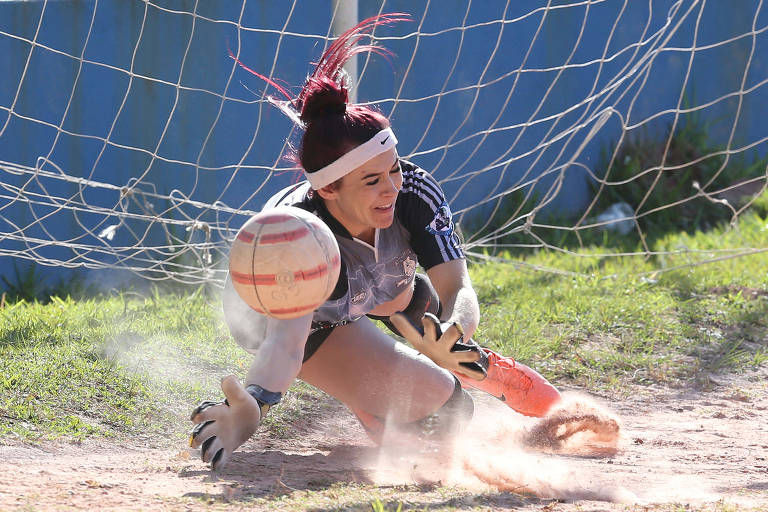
(520, 387)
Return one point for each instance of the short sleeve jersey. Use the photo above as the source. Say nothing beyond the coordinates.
(422, 233)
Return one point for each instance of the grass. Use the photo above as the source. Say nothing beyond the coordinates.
(686, 196)
(103, 366)
(412, 499)
(610, 321)
(118, 366)
(687, 152)
(128, 364)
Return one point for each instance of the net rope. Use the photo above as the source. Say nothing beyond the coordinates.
(184, 234)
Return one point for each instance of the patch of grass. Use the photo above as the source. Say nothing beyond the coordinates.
(378, 506)
(133, 365)
(690, 161)
(114, 366)
(127, 365)
(359, 497)
(347, 496)
(29, 285)
(670, 181)
(607, 321)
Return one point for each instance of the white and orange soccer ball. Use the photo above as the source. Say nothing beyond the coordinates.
(284, 262)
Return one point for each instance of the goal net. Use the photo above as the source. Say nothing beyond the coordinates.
(131, 141)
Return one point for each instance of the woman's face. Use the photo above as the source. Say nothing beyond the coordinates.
(365, 199)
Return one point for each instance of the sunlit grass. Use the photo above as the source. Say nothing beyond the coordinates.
(605, 321)
(128, 365)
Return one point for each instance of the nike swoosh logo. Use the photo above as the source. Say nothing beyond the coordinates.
(385, 140)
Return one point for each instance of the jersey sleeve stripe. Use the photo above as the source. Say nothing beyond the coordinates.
(447, 250)
(421, 187)
(426, 188)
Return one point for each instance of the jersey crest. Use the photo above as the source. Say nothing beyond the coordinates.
(409, 267)
(441, 223)
(359, 297)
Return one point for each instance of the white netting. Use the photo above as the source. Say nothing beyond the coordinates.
(130, 140)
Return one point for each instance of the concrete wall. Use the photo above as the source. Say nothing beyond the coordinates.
(122, 91)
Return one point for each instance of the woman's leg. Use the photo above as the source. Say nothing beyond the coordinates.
(369, 371)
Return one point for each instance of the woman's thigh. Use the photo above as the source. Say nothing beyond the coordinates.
(368, 370)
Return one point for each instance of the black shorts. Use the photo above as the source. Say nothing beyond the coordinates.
(424, 300)
(318, 333)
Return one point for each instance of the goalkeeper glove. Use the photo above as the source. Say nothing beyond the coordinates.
(221, 427)
(445, 345)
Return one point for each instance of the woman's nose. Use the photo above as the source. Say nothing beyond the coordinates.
(393, 185)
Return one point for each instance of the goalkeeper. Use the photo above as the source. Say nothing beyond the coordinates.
(388, 216)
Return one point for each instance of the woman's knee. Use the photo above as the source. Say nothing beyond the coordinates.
(448, 420)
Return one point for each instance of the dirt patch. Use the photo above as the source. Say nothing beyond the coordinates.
(676, 446)
(745, 291)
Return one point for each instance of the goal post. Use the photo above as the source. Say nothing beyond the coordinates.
(345, 17)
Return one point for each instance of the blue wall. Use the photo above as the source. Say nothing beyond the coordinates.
(92, 89)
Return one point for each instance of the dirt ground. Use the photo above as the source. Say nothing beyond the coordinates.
(705, 448)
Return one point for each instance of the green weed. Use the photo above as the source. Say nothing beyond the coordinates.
(378, 506)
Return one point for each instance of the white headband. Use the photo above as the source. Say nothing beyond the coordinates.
(348, 162)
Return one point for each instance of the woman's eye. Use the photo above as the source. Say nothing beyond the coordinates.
(370, 183)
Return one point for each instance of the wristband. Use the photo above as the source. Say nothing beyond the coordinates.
(266, 399)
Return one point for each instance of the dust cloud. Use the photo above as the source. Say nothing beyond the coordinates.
(552, 457)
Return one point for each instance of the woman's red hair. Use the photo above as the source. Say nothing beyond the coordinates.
(332, 125)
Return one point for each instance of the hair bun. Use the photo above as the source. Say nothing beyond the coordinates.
(322, 97)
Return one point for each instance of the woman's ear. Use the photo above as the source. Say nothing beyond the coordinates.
(328, 192)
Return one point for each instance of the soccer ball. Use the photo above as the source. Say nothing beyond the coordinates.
(284, 262)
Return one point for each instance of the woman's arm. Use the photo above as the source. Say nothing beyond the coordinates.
(278, 358)
(449, 346)
(454, 288)
(278, 345)
(278, 349)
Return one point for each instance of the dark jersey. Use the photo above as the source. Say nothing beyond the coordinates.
(422, 234)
